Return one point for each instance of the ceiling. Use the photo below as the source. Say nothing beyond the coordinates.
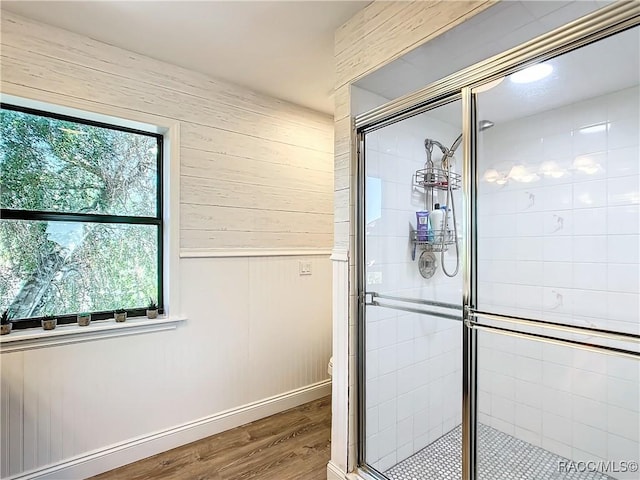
(499, 28)
(280, 48)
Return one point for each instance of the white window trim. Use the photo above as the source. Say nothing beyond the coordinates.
(170, 129)
(31, 338)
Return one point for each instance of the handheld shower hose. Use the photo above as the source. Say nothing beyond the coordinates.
(446, 166)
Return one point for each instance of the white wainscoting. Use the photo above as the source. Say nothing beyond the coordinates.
(123, 453)
(256, 329)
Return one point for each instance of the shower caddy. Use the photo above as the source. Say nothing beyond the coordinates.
(430, 180)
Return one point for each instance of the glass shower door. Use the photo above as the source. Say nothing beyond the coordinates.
(410, 320)
(557, 265)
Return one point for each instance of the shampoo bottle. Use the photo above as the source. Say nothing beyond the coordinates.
(422, 226)
(437, 217)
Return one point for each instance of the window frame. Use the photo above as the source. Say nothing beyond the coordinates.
(45, 215)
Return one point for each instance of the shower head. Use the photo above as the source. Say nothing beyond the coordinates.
(485, 124)
(428, 144)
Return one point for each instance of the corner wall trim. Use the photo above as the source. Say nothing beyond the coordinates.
(113, 456)
(340, 255)
(218, 253)
(334, 472)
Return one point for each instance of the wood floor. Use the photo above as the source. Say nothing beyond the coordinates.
(293, 445)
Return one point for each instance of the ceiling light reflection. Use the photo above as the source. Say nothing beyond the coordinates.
(520, 173)
(552, 169)
(596, 128)
(532, 73)
(586, 164)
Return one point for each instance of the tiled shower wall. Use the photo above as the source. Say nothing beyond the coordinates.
(560, 241)
(413, 361)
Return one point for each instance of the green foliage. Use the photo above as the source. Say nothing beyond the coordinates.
(50, 164)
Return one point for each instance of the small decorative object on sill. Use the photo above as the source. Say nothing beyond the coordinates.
(152, 309)
(84, 319)
(5, 323)
(49, 322)
(120, 315)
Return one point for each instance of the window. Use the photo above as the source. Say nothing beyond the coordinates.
(81, 217)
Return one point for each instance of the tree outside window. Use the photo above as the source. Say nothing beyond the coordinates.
(81, 218)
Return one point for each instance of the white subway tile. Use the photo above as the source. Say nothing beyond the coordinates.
(530, 273)
(387, 412)
(503, 409)
(404, 433)
(558, 222)
(528, 418)
(388, 460)
(373, 448)
(558, 274)
(556, 447)
(590, 303)
(557, 428)
(623, 104)
(623, 449)
(590, 412)
(624, 132)
(557, 249)
(590, 440)
(530, 224)
(590, 221)
(623, 248)
(528, 393)
(624, 277)
(590, 276)
(623, 393)
(372, 421)
(624, 368)
(558, 145)
(623, 162)
(589, 112)
(624, 423)
(589, 141)
(557, 197)
(623, 220)
(623, 190)
(590, 249)
(590, 194)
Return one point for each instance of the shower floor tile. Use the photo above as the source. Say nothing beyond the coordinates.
(501, 457)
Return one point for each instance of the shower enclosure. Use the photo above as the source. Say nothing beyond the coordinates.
(498, 269)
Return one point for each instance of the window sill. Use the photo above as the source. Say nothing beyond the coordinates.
(64, 334)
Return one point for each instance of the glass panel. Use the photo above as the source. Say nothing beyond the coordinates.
(558, 218)
(554, 412)
(62, 166)
(64, 268)
(413, 361)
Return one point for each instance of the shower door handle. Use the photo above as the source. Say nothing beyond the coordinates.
(378, 300)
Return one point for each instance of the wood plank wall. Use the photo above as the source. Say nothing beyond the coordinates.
(257, 173)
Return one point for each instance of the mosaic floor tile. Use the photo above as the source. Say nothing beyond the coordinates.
(500, 457)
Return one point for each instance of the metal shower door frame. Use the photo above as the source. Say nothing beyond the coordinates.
(600, 24)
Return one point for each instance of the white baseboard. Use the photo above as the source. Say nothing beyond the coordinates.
(334, 472)
(113, 456)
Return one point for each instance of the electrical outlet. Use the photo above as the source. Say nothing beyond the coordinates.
(304, 268)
